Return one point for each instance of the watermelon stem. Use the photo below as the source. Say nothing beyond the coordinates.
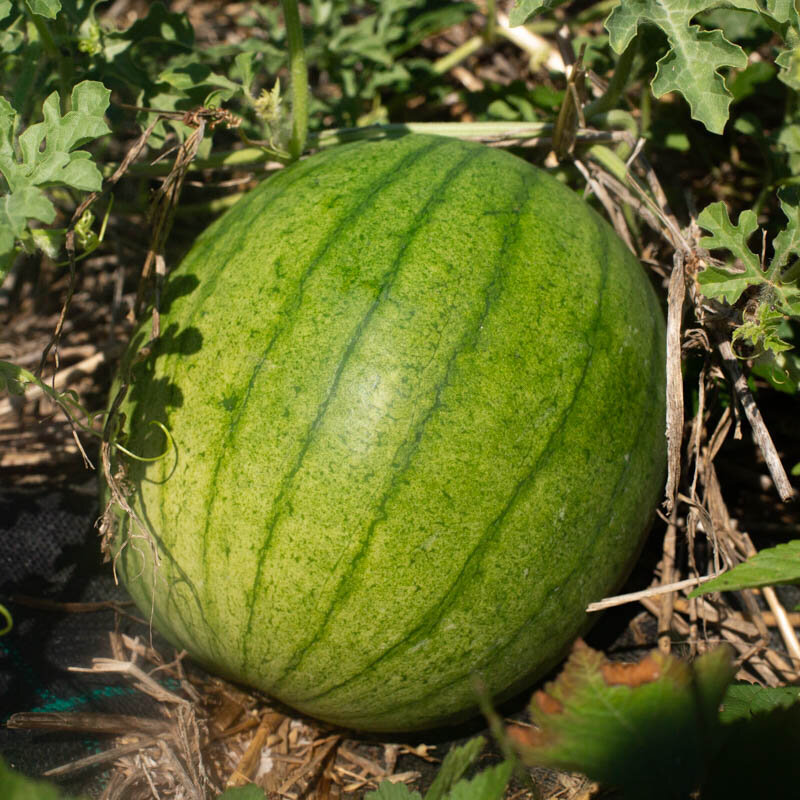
(616, 85)
(299, 78)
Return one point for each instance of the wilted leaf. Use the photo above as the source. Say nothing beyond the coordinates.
(771, 567)
(695, 57)
(645, 728)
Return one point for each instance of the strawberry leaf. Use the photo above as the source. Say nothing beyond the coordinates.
(455, 764)
(645, 728)
(393, 791)
(771, 567)
(487, 785)
(743, 700)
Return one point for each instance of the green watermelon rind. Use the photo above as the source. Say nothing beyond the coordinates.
(416, 388)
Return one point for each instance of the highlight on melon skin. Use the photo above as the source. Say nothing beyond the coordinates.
(414, 389)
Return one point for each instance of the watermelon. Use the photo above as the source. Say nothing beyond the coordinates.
(415, 389)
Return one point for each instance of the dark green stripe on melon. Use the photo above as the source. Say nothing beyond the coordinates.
(417, 396)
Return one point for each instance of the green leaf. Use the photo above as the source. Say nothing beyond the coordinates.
(8, 122)
(645, 728)
(526, 9)
(758, 757)
(692, 64)
(721, 282)
(14, 786)
(771, 567)
(455, 764)
(59, 162)
(743, 700)
(487, 785)
(789, 62)
(249, 792)
(393, 791)
(781, 10)
(787, 242)
(26, 203)
(45, 8)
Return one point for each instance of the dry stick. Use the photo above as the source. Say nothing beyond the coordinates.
(667, 577)
(87, 723)
(637, 205)
(677, 292)
(760, 432)
(742, 542)
(98, 758)
(311, 770)
(162, 212)
(783, 625)
(735, 640)
(729, 619)
(632, 597)
(130, 156)
(145, 682)
(612, 210)
(243, 773)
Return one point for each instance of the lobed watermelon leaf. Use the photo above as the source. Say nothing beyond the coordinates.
(525, 9)
(777, 293)
(45, 8)
(46, 154)
(692, 64)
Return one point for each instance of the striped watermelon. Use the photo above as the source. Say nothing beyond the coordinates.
(415, 388)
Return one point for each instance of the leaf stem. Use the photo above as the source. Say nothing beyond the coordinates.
(616, 86)
(792, 273)
(455, 57)
(490, 28)
(63, 66)
(299, 78)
